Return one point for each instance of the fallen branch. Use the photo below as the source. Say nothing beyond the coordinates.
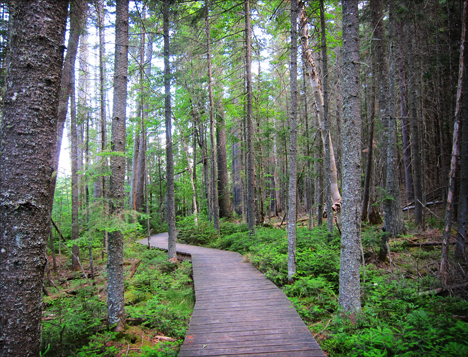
(134, 268)
(164, 338)
(77, 258)
(441, 290)
(427, 244)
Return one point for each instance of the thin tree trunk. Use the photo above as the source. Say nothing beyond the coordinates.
(189, 167)
(312, 74)
(115, 281)
(225, 210)
(28, 137)
(370, 158)
(90, 249)
(213, 155)
(236, 176)
(142, 161)
(455, 147)
(463, 193)
(136, 154)
(102, 106)
(393, 221)
(170, 207)
(249, 123)
(74, 160)
(326, 124)
(349, 289)
(415, 149)
(78, 10)
(308, 181)
(279, 207)
(405, 137)
(292, 209)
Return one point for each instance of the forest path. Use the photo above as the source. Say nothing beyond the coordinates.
(238, 311)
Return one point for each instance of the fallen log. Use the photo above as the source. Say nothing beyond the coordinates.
(134, 268)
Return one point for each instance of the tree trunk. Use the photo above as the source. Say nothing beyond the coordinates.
(462, 78)
(405, 137)
(170, 207)
(142, 161)
(74, 160)
(236, 177)
(115, 281)
(78, 10)
(463, 193)
(393, 221)
(414, 129)
(189, 166)
(350, 296)
(249, 123)
(326, 125)
(213, 155)
(292, 209)
(102, 105)
(276, 167)
(90, 249)
(28, 137)
(319, 102)
(225, 210)
(136, 155)
(370, 158)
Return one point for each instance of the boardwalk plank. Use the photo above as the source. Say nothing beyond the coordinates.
(238, 311)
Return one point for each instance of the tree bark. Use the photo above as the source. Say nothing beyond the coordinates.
(405, 136)
(292, 209)
(236, 177)
(225, 210)
(462, 77)
(102, 107)
(370, 158)
(312, 74)
(74, 159)
(460, 247)
(393, 221)
(250, 204)
(115, 280)
(349, 289)
(326, 124)
(415, 149)
(78, 10)
(213, 154)
(189, 166)
(142, 161)
(170, 207)
(135, 156)
(28, 137)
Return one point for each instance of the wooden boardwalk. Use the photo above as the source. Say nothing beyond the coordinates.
(238, 311)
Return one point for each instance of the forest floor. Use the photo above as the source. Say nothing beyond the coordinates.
(405, 308)
(159, 299)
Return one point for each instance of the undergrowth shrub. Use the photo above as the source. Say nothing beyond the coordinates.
(160, 294)
(72, 321)
(396, 320)
(202, 233)
(170, 294)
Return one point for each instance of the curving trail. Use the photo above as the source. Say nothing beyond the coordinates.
(238, 311)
